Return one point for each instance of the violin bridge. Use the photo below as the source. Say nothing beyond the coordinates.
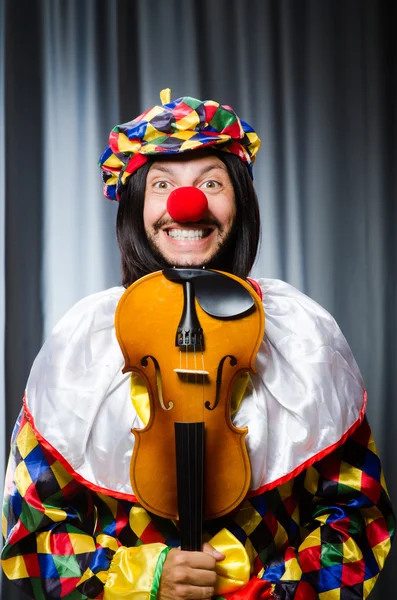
(191, 372)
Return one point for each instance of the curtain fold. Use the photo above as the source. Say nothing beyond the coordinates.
(78, 229)
(316, 79)
(2, 258)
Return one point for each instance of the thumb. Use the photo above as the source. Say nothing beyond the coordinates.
(211, 550)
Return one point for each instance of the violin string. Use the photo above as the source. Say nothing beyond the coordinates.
(190, 475)
(200, 492)
(203, 386)
(192, 436)
(194, 520)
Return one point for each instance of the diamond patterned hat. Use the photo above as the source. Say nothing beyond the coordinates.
(184, 125)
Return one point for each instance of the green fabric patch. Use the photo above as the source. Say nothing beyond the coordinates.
(331, 554)
(157, 572)
(67, 566)
(192, 102)
(222, 118)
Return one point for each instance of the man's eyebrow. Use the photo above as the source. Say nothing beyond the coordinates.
(212, 168)
(203, 171)
(158, 167)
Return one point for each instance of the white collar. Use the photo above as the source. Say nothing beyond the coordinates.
(307, 396)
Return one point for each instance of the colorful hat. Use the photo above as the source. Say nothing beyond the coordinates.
(183, 125)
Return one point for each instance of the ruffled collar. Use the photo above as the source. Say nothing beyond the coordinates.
(305, 399)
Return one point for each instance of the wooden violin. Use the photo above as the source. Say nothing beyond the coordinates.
(190, 333)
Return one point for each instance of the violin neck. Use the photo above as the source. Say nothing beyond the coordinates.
(189, 440)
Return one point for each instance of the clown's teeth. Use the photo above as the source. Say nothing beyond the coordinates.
(183, 234)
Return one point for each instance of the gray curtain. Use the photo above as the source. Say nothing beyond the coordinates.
(317, 79)
(2, 253)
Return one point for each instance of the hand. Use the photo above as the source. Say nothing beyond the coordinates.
(189, 575)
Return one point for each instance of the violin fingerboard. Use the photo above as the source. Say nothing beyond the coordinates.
(189, 442)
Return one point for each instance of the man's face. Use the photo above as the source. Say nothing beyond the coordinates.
(207, 236)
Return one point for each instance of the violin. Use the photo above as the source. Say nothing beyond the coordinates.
(190, 333)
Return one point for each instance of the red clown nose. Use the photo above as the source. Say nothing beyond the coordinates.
(187, 204)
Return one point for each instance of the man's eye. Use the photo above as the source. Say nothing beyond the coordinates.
(210, 184)
(162, 185)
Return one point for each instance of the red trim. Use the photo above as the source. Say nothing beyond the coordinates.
(68, 467)
(256, 286)
(260, 490)
(310, 461)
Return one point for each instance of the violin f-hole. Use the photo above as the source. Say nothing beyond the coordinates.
(233, 363)
(144, 363)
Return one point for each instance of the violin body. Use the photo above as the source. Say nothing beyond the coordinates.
(187, 384)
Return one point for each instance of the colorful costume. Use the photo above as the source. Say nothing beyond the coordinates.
(317, 522)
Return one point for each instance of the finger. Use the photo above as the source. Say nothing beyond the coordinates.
(194, 592)
(200, 577)
(215, 553)
(195, 560)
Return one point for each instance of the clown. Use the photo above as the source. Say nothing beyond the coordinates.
(316, 522)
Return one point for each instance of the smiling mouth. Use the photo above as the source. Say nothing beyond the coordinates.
(188, 234)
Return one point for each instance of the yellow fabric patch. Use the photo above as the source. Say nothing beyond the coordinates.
(184, 135)
(113, 179)
(107, 541)
(86, 575)
(313, 539)
(285, 490)
(234, 571)
(238, 392)
(111, 503)
(4, 526)
(15, 567)
(350, 476)
(330, 595)
(323, 518)
(351, 551)
(131, 572)
(248, 518)
(55, 514)
(82, 543)
(369, 584)
(43, 542)
(371, 445)
(190, 145)
(152, 133)
(281, 536)
(190, 121)
(153, 112)
(148, 149)
(165, 96)
(140, 397)
(371, 514)
(125, 145)
(139, 520)
(311, 481)
(102, 576)
(26, 440)
(22, 478)
(249, 548)
(61, 474)
(292, 570)
(113, 161)
(255, 144)
(381, 551)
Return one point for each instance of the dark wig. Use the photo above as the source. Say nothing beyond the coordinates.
(137, 256)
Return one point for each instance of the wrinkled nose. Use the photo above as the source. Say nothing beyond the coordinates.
(187, 204)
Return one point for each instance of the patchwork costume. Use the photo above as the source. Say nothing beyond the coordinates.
(316, 523)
